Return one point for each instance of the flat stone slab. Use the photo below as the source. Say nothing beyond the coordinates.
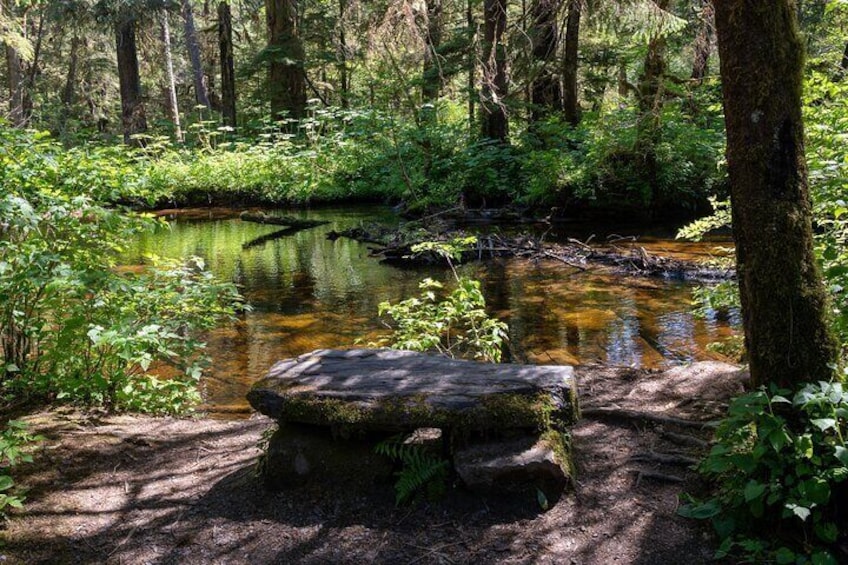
(389, 390)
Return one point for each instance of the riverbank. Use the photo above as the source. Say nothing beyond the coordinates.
(130, 489)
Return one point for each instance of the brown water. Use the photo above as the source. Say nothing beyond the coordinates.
(308, 292)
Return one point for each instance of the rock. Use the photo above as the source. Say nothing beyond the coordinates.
(299, 455)
(388, 390)
(516, 465)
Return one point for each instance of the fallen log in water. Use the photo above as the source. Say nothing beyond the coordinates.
(290, 221)
(293, 225)
(398, 248)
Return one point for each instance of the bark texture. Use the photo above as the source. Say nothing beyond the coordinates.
(286, 73)
(431, 74)
(545, 92)
(570, 100)
(173, 106)
(193, 46)
(703, 41)
(783, 300)
(228, 72)
(495, 82)
(133, 118)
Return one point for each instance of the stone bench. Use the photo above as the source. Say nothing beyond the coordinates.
(502, 426)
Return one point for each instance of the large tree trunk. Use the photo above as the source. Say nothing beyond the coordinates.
(545, 92)
(472, 63)
(173, 105)
(133, 117)
(783, 300)
(495, 82)
(17, 88)
(69, 91)
(431, 74)
(193, 46)
(286, 73)
(344, 72)
(20, 104)
(571, 102)
(228, 73)
(703, 41)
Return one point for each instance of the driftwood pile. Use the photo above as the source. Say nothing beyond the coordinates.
(396, 248)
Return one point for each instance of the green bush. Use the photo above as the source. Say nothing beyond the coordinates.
(779, 467)
(71, 325)
(15, 440)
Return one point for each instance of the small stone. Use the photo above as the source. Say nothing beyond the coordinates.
(514, 465)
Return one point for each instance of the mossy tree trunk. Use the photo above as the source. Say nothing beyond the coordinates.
(286, 72)
(228, 71)
(703, 41)
(495, 82)
(133, 117)
(651, 96)
(545, 92)
(193, 47)
(783, 300)
(571, 103)
(431, 73)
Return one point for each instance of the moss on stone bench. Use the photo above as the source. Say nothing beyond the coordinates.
(394, 391)
(504, 427)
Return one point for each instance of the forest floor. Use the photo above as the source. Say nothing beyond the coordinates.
(131, 489)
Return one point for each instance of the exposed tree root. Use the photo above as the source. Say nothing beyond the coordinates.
(625, 414)
(665, 458)
(642, 474)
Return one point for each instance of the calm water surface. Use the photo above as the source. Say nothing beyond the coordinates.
(308, 292)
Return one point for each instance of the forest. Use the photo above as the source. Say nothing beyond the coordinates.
(191, 191)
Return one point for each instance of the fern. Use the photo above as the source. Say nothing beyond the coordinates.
(419, 470)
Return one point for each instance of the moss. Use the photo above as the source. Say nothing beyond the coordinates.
(560, 443)
(494, 413)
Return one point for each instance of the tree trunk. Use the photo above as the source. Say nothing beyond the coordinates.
(843, 65)
(431, 75)
(784, 307)
(228, 73)
(571, 102)
(69, 91)
(193, 46)
(651, 96)
(344, 75)
(173, 105)
(545, 92)
(286, 74)
(703, 41)
(495, 83)
(133, 118)
(472, 64)
(18, 94)
(17, 90)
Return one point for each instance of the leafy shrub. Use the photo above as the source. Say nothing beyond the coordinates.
(456, 324)
(779, 467)
(71, 326)
(15, 440)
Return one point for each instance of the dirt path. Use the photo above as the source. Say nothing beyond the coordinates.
(130, 489)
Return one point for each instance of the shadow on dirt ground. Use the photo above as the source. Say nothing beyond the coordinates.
(124, 489)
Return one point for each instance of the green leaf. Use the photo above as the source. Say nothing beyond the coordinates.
(824, 424)
(784, 556)
(6, 482)
(800, 511)
(700, 511)
(754, 490)
(841, 453)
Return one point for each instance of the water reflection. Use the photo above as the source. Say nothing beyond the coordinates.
(309, 292)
